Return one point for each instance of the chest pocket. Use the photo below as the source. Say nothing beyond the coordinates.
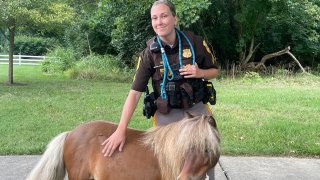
(158, 66)
(186, 61)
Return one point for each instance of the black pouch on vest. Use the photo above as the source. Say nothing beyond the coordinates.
(210, 96)
(174, 94)
(199, 91)
(149, 103)
(163, 105)
(186, 95)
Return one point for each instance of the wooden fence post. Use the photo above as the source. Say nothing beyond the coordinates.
(19, 59)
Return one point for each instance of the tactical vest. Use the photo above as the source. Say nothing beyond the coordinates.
(181, 92)
(174, 62)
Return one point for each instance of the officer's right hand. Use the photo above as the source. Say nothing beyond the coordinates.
(117, 139)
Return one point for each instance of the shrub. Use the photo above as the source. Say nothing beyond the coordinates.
(280, 73)
(252, 77)
(105, 67)
(36, 46)
(58, 60)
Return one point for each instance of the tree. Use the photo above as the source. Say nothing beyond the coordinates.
(296, 24)
(28, 13)
(244, 31)
(232, 26)
(250, 17)
(87, 33)
(217, 26)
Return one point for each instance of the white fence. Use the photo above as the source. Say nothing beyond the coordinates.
(22, 59)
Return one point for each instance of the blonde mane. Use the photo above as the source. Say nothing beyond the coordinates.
(171, 143)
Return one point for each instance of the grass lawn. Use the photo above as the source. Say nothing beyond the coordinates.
(277, 117)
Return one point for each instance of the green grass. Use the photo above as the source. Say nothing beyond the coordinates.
(276, 117)
(269, 120)
(43, 106)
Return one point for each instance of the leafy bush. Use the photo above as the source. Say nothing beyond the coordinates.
(58, 60)
(36, 46)
(101, 68)
(252, 77)
(279, 73)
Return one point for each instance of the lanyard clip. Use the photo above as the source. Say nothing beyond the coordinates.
(162, 50)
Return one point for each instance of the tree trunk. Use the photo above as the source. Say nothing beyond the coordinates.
(296, 60)
(12, 29)
(279, 53)
(250, 53)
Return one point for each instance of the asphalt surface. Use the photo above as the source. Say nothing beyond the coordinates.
(229, 168)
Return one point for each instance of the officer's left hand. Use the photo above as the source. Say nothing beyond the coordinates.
(191, 71)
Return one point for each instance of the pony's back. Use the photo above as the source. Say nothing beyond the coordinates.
(83, 156)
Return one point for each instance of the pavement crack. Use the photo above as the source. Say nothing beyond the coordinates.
(223, 170)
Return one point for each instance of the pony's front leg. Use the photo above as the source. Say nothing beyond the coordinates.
(81, 176)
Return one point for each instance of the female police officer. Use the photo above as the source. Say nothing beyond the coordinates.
(172, 57)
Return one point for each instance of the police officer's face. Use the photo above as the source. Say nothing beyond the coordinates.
(163, 21)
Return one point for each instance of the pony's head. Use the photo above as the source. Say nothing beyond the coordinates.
(185, 149)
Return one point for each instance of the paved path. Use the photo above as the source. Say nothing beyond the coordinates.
(230, 168)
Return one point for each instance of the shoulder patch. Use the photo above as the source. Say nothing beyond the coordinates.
(206, 46)
(209, 51)
(138, 64)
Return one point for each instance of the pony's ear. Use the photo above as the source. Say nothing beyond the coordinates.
(188, 115)
(212, 121)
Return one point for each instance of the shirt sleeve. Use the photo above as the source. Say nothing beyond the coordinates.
(144, 71)
(205, 58)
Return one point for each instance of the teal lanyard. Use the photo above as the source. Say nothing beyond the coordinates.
(166, 64)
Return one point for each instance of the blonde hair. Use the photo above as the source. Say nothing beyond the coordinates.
(167, 3)
(172, 143)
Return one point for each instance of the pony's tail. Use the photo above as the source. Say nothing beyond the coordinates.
(51, 165)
